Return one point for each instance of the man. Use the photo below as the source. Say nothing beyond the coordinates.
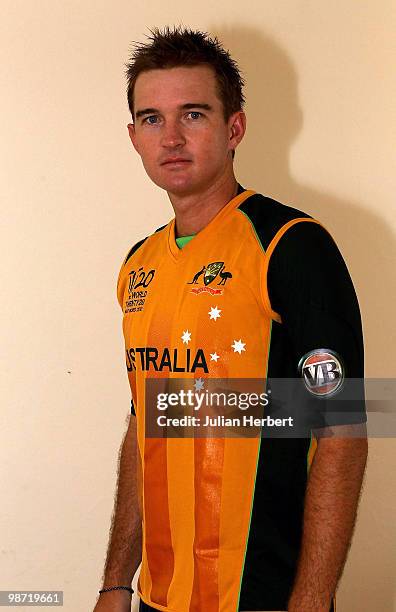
(236, 286)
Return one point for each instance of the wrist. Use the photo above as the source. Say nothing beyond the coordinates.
(116, 589)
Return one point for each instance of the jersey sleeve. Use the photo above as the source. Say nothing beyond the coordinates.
(121, 282)
(309, 286)
(123, 274)
(121, 286)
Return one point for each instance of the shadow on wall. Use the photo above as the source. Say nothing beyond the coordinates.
(275, 120)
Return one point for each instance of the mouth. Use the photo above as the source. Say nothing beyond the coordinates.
(176, 162)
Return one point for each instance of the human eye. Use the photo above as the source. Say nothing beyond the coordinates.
(195, 115)
(151, 120)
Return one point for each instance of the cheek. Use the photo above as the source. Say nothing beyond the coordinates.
(212, 144)
(148, 150)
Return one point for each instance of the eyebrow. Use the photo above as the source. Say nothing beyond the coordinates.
(187, 106)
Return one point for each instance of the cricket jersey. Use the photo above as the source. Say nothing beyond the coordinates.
(261, 291)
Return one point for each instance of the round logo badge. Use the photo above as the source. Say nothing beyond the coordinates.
(322, 372)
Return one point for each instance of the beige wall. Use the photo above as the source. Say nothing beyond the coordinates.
(74, 197)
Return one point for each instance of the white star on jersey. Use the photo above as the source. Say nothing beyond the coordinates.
(214, 357)
(214, 313)
(186, 336)
(199, 384)
(238, 346)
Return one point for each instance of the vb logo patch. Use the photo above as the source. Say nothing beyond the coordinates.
(322, 372)
(209, 273)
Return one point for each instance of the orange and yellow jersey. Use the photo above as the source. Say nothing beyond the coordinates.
(222, 517)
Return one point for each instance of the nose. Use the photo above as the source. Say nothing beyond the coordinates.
(172, 134)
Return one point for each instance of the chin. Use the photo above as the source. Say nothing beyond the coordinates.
(181, 182)
(178, 185)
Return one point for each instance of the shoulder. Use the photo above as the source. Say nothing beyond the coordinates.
(268, 216)
(141, 242)
(122, 275)
(305, 264)
(285, 227)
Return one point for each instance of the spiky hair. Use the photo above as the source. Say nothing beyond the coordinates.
(180, 46)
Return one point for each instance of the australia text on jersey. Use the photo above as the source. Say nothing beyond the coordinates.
(172, 360)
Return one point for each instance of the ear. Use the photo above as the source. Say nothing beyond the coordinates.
(132, 136)
(237, 128)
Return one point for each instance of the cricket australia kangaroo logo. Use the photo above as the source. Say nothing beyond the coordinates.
(209, 272)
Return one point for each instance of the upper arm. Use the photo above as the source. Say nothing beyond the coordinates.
(310, 287)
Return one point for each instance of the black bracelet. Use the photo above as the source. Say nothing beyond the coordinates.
(117, 588)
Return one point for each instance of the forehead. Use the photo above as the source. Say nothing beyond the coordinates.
(175, 86)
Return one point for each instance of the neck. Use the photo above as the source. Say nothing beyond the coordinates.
(195, 211)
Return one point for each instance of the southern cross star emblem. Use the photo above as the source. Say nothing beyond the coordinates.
(186, 336)
(238, 346)
(214, 313)
(199, 384)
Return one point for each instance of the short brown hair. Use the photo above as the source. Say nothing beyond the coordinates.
(179, 46)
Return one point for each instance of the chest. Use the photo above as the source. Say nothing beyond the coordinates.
(201, 312)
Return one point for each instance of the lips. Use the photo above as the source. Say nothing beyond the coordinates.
(175, 160)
